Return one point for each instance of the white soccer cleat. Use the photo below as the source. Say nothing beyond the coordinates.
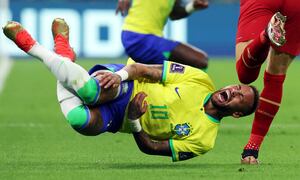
(275, 29)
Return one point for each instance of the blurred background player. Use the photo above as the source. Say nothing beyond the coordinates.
(266, 27)
(142, 34)
(92, 110)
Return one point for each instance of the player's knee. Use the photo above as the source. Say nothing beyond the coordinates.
(90, 92)
(78, 117)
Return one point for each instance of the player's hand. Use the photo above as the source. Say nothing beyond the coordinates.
(249, 160)
(108, 80)
(123, 6)
(200, 4)
(137, 106)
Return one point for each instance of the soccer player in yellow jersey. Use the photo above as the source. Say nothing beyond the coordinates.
(142, 34)
(171, 109)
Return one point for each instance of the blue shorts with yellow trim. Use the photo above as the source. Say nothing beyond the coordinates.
(147, 48)
(113, 112)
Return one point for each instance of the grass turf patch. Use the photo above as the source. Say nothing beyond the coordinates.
(37, 143)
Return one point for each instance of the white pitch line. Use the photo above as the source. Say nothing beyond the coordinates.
(24, 125)
(5, 67)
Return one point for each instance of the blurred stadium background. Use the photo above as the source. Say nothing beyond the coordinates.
(96, 29)
(37, 143)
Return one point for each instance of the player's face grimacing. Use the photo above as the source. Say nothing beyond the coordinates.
(234, 99)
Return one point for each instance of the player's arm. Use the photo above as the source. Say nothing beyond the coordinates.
(144, 71)
(182, 9)
(148, 146)
(122, 7)
(137, 107)
(152, 73)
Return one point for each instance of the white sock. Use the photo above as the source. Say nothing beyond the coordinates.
(65, 71)
(67, 99)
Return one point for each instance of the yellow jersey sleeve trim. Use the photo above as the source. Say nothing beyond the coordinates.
(213, 119)
(164, 73)
(207, 98)
(172, 150)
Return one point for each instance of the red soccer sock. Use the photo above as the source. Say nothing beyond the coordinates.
(248, 65)
(269, 104)
(254, 142)
(62, 47)
(24, 40)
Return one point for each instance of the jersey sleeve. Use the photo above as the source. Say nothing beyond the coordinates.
(177, 73)
(183, 150)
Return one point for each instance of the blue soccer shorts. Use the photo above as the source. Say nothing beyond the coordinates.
(113, 112)
(147, 48)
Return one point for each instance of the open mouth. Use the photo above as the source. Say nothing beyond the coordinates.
(224, 96)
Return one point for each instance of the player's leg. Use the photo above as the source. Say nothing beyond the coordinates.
(67, 72)
(60, 32)
(151, 49)
(269, 103)
(81, 118)
(250, 55)
(274, 76)
(85, 120)
(186, 54)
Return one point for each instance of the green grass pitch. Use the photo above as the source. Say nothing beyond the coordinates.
(37, 143)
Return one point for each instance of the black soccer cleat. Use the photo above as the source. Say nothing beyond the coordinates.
(249, 156)
(250, 152)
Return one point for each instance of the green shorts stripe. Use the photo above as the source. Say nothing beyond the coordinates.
(90, 92)
(79, 117)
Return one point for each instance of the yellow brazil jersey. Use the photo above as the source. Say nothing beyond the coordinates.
(148, 16)
(175, 110)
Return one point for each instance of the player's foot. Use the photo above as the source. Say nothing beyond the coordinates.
(15, 32)
(275, 29)
(249, 156)
(60, 27)
(60, 32)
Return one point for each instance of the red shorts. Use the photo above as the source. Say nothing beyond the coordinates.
(255, 15)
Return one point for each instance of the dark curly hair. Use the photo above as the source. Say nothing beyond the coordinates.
(255, 103)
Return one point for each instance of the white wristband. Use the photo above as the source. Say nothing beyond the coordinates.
(135, 125)
(189, 8)
(123, 74)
